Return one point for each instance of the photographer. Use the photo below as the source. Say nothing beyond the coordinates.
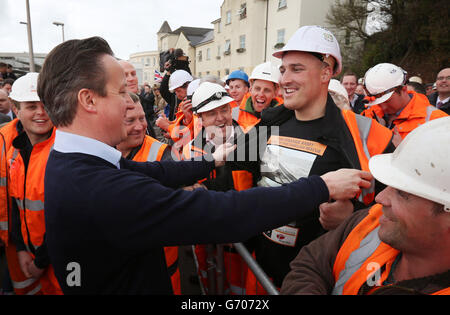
(172, 60)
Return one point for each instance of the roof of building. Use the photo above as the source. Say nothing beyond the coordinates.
(195, 35)
(165, 28)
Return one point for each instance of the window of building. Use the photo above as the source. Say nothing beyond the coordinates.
(227, 71)
(243, 11)
(200, 56)
(227, 47)
(208, 54)
(242, 41)
(219, 27)
(282, 4)
(228, 14)
(280, 36)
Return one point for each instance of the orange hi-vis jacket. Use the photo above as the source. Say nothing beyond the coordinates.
(417, 112)
(21, 284)
(364, 260)
(152, 150)
(234, 267)
(245, 114)
(27, 188)
(370, 139)
(7, 135)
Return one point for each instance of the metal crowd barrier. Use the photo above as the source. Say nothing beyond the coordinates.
(216, 272)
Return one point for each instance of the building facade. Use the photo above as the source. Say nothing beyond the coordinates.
(246, 34)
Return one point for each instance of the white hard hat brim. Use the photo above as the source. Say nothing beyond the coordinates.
(381, 99)
(215, 104)
(33, 98)
(384, 171)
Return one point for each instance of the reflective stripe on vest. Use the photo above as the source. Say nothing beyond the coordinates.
(154, 150)
(3, 225)
(360, 138)
(367, 246)
(430, 110)
(31, 205)
(235, 113)
(24, 284)
(3, 178)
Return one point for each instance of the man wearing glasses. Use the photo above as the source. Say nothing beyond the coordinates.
(441, 98)
(393, 105)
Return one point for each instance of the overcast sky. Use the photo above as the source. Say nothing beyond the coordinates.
(128, 26)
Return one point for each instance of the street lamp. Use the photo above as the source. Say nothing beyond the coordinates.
(30, 39)
(62, 25)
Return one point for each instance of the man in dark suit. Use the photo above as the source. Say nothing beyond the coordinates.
(350, 82)
(441, 98)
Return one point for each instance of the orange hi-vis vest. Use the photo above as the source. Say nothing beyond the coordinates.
(21, 284)
(363, 259)
(7, 135)
(234, 266)
(152, 150)
(245, 114)
(370, 139)
(417, 112)
(27, 188)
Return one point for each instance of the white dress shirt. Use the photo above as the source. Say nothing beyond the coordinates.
(71, 143)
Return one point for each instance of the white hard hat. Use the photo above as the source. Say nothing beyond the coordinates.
(420, 164)
(416, 79)
(209, 96)
(193, 86)
(381, 81)
(24, 89)
(336, 87)
(179, 78)
(314, 39)
(266, 71)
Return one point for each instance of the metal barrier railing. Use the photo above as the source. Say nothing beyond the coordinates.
(216, 271)
(256, 269)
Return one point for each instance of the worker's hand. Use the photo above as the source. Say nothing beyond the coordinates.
(162, 122)
(334, 213)
(195, 186)
(35, 271)
(221, 153)
(346, 183)
(397, 138)
(186, 108)
(25, 260)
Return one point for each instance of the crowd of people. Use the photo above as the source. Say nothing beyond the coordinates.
(334, 186)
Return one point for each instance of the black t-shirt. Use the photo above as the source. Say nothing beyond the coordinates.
(307, 138)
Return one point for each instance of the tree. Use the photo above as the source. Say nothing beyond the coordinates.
(412, 34)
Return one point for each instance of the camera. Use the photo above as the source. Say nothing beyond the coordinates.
(176, 58)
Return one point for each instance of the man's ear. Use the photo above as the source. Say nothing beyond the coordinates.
(327, 74)
(14, 108)
(86, 99)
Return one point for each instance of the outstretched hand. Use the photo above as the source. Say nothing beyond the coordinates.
(221, 153)
(346, 183)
